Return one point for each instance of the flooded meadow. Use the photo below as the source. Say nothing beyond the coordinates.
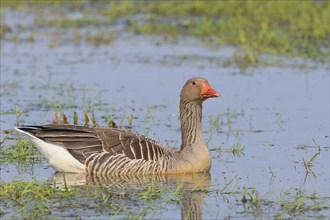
(268, 133)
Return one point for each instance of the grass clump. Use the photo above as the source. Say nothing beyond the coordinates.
(20, 150)
(237, 150)
(4, 28)
(276, 27)
(296, 203)
(30, 200)
(27, 198)
(287, 28)
(23, 192)
(151, 192)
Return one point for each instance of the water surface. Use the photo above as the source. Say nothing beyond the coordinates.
(273, 112)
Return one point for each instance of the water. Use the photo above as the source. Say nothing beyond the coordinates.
(274, 113)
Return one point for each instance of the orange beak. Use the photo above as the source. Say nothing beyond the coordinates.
(208, 92)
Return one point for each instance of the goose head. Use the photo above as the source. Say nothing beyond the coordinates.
(197, 90)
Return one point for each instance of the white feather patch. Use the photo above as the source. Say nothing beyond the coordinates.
(58, 156)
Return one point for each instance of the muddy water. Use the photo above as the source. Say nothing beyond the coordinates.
(274, 113)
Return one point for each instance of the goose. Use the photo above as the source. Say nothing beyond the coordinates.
(113, 151)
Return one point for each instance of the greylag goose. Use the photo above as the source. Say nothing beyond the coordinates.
(112, 151)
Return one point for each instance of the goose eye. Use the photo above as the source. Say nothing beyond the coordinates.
(193, 83)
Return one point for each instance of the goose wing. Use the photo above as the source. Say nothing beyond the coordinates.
(83, 142)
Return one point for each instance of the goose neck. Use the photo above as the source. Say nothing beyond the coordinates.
(191, 125)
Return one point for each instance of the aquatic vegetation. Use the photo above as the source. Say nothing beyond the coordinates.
(214, 125)
(4, 28)
(273, 27)
(100, 38)
(237, 149)
(308, 164)
(57, 105)
(18, 114)
(151, 192)
(33, 200)
(148, 119)
(28, 198)
(109, 121)
(224, 190)
(19, 150)
(296, 203)
(293, 202)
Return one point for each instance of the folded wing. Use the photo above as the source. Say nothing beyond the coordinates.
(82, 142)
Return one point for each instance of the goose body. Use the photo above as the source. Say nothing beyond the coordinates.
(112, 151)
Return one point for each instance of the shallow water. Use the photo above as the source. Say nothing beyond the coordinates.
(275, 113)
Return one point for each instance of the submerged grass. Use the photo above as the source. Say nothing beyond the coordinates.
(20, 199)
(30, 200)
(292, 202)
(151, 192)
(296, 203)
(237, 150)
(20, 150)
(308, 164)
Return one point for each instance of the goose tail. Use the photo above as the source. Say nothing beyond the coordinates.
(57, 155)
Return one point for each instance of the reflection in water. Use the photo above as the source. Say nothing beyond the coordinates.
(193, 186)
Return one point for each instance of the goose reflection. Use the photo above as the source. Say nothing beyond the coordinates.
(194, 187)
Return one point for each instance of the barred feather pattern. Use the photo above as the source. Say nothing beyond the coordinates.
(107, 151)
(191, 126)
(106, 164)
(138, 155)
